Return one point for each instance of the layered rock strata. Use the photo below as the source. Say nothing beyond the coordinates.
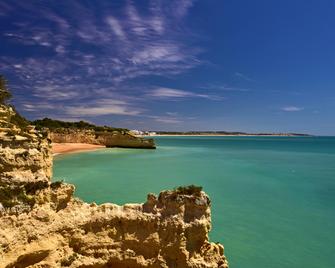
(25, 163)
(44, 225)
(120, 139)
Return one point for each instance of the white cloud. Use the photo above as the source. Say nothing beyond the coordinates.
(181, 7)
(167, 119)
(36, 107)
(171, 93)
(85, 53)
(244, 77)
(221, 87)
(164, 92)
(116, 27)
(101, 110)
(158, 52)
(292, 109)
(57, 92)
(103, 107)
(151, 44)
(172, 113)
(60, 49)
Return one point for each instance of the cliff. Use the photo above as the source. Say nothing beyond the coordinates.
(120, 139)
(44, 225)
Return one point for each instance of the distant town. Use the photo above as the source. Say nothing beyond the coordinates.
(136, 132)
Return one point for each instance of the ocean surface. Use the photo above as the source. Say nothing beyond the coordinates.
(273, 198)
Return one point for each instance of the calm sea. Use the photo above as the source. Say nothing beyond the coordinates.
(273, 197)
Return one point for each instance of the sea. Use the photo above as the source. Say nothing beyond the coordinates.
(273, 198)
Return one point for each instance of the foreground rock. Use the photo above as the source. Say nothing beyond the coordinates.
(25, 163)
(43, 225)
(121, 139)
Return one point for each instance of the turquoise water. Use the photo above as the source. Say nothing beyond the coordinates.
(273, 197)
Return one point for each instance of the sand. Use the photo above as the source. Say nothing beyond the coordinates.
(62, 148)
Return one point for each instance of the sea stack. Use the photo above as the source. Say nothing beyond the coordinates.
(44, 225)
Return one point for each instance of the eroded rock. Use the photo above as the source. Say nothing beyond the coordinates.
(43, 225)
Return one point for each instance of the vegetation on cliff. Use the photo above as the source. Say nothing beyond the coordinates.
(57, 125)
(5, 94)
(5, 97)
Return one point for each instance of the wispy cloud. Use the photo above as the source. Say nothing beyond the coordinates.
(116, 27)
(164, 92)
(169, 118)
(92, 108)
(172, 93)
(244, 77)
(100, 110)
(183, 7)
(166, 120)
(292, 109)
(81, 54)
(222, 87)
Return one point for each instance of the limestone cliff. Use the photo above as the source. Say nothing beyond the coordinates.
(43, 225)
(25, 162)
(110, 139)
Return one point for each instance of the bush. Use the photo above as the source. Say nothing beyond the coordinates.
(5, 94)
(189, 190)
(19, 120)
(56, 184)
(68, 261)
(82, 125)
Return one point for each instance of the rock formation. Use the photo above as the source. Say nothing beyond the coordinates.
(120, 139)
(44, 225)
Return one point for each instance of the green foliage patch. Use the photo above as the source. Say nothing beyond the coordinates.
(55, 125)
(189, 190)
(5, 94)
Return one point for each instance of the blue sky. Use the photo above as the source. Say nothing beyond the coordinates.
(239, 65)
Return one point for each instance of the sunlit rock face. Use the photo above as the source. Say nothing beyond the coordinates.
(25, 163)
(110, 139)
(44, 225)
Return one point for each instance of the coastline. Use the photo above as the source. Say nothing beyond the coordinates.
(65, 148)
(221, 135)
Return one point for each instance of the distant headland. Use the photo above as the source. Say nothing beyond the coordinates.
(218, 133)
(85, 134)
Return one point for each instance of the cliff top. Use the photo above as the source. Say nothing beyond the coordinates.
(58, 125)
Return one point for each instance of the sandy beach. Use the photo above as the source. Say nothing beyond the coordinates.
(62, 148)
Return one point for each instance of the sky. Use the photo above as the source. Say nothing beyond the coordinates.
(178, 65)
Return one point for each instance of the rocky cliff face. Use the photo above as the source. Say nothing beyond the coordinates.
(109, 139)
(25, 163)
(43, 225)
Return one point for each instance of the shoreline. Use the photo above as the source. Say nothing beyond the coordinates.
(66, 148)
(221, 135)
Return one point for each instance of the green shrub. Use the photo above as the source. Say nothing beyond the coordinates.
(68, 261)
(82, 125)
(19, 120)
(56, 184)
(5, 94)
(189, 190)
(33, 187)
